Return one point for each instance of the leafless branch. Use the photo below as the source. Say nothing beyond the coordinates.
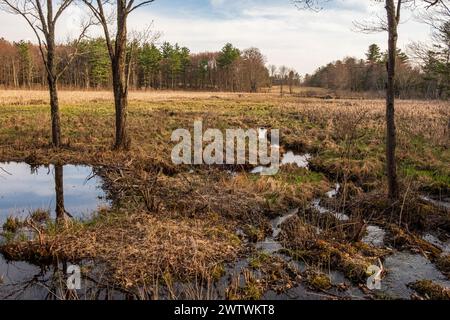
(315, 5)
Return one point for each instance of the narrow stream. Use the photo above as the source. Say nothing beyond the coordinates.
(316, 203)
(440, 203)
(374, 236)
(444, 246)
(271, 244)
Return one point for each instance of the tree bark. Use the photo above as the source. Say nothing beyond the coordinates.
(54, 111)
(120, 79)
(391, 166)
(53, 88)
(14, 72)
(121, 104)
(59, 191)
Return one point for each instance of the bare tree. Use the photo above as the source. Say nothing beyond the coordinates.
(283, 71)
(253, 64)
(291, 80)
(42, 17)
(390, 24)
(272, 72)
(119, 55)
(393, 20)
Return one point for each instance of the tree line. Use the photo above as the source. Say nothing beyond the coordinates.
(426, 76)
(168, 66)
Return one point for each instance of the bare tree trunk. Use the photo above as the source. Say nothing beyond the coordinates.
(53, 88)
(14, 71)
(391, 166)
(30, 75)
(121, 104)
(54, 110)
(120, 80)
(87, 79)
(59, 190)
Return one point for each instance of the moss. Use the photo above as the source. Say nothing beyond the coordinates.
(430, 290)
(257, 261)
(443, 263)
(301, 176)
(318, 280)
(218, 271)
(299, 255)
(401, 239)
(379, 295)
(254, 233)
(246, 286)
(235, 240)
(253, 290)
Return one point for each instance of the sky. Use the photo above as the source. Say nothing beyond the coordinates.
(300, 39)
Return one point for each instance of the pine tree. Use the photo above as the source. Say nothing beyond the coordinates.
(373, 55)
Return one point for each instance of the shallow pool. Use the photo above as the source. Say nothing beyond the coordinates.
(24, 189)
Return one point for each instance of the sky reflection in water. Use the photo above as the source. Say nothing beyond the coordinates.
(22, 191)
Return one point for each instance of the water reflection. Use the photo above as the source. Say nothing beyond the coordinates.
(66, 190)
(59, 192)
(302, 161)
(404, 268)
(23, 281)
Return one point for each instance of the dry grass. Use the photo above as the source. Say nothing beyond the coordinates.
(36, 97)
(138, 249)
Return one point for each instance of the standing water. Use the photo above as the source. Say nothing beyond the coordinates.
(302, 161)
(271, 244)
(72, 190)
(24, 189)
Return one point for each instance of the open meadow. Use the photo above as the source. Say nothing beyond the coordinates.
(220, 231)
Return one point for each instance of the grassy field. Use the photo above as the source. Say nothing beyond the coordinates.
(186, 223)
